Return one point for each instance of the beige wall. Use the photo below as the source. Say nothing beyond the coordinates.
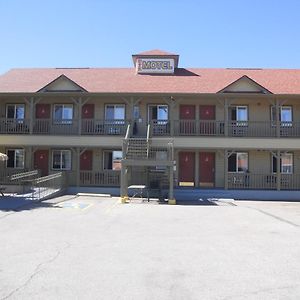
(258, 105)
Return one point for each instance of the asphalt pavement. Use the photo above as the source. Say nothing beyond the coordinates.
(81, 247)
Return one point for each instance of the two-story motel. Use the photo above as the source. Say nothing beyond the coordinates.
(197, 128)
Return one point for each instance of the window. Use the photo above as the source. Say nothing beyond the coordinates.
(112, 160)
(15, 111)
(286, 163)
(238, 113)
(285, 115)
(63, 113)
(158, 112)
(115, 112)
(61, 159)
(15, 158)
(238, 162)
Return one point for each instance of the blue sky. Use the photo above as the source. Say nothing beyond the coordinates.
(90, 33)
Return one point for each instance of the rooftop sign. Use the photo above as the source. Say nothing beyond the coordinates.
(155, 65)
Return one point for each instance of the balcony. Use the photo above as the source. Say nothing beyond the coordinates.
(159, 128)
(63, 127)
(222, 128)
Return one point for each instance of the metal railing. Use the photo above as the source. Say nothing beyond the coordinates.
(252, 181)
(160, 127)
(157, 127)
(14, 126)
(263, 181)
(5, 174)
(55, 127)
(20, 176)
(251, 129)
(103, 127)
(46, 186)
(196, 127)
(154, 149)
(100, 178)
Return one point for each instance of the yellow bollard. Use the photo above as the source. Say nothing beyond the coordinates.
(172, 201)
(124, 199)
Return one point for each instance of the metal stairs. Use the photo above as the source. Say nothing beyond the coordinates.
(137, 148)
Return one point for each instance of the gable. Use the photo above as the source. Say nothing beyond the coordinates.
(62, 84)
(244, 85)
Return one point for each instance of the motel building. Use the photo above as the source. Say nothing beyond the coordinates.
(155, 124)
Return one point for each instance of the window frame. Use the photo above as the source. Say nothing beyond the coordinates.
(114, 105)
(237, 107)
(15, 110)
(273, 114)
(63, 120)
(61, 151)
(150, 106)
(236, 163)
(112, 160)
(15, 160)
(275, 163)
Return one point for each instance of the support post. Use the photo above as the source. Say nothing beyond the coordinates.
(124, 183)
(30, 158)
(197, 164)
(171, 199)
(278, 173)
(226, 123)
(226, 169)
(78, 167)
(277, 108)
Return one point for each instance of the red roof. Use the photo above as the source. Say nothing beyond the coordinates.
(116, 80)
(155, 52)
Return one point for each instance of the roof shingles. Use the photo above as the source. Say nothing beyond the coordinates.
(125, 80)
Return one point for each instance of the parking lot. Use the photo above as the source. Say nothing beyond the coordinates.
(81, 247)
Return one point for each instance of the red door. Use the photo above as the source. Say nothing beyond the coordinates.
(207, 169)
(42, 114)
(87, 114)
(88, 111)
(187, 119)
(41, 161)
(207, 115)
(86, 160)
(186, 168)
(42, 111)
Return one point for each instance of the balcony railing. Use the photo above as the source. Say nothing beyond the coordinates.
(100, 178)
(103, 127)
(63, 127)
(263, 181)
(55, 127)
(158, 127)
(196, 128)
(221, 128)
(14, 126)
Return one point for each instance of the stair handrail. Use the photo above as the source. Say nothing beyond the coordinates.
(148, 139)
(126, 141)
(127, 132)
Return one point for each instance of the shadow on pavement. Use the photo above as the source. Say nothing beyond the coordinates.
(10, 203)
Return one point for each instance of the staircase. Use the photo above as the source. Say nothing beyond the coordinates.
(137, 148)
